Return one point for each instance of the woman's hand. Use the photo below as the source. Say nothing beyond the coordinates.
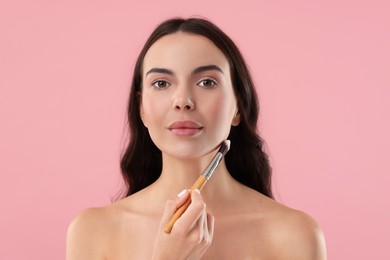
(192, 233)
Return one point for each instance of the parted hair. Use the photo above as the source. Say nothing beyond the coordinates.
(247, 162)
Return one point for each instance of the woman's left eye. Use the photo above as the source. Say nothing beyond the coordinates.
(207, 83)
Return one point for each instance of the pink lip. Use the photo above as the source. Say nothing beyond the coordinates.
(185, 128)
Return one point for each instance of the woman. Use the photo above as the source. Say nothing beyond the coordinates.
(191, 90)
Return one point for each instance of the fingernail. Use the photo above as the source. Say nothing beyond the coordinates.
(197, 191)
(182, 193)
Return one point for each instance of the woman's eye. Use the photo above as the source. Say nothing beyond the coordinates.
(207, 83)
(160, 84)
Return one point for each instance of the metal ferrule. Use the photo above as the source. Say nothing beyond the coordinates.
(212, 166)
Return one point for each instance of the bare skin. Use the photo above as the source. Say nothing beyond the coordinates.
(248, 225)
(186, 77)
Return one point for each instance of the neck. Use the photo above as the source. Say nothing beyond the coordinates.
(178, 174)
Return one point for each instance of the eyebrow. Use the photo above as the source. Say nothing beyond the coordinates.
(160, 70)
(207, 68)
(195, 71)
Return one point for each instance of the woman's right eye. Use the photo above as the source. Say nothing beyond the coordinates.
(160, 84)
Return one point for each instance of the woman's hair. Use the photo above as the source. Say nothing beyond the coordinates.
(141, 162)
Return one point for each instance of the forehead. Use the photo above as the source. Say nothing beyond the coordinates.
(184, 51)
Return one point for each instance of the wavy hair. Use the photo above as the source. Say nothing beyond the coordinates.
(141, 162)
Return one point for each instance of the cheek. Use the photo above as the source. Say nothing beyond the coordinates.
(152, 111)
(221, 112)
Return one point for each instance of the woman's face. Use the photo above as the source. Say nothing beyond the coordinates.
(188, 103)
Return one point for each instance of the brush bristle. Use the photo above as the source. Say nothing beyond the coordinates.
(225, 147)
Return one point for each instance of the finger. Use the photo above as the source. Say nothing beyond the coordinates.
(210, 226)
(198, 233)
(205, 229)
(190, 217)
(200, 224)
(172, 205)
(203, 224)
(182, 197)
(201, 232)
(208, 231)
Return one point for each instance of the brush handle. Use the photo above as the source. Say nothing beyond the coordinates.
(200, 182)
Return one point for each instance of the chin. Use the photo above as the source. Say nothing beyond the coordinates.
(187, 150)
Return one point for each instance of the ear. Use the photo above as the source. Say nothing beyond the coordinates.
(236, 119)
(141, 110)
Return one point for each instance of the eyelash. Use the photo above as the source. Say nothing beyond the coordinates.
(160, 81)
(213, 82)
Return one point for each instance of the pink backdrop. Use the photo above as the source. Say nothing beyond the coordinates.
(322, 71)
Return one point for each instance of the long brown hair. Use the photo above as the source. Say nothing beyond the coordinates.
(141, 163)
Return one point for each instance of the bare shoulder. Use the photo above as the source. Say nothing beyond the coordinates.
(107, 232)
(86, 234)
(295, 234)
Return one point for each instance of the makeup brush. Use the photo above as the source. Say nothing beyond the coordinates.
(200, 182)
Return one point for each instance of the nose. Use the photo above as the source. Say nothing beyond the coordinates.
(183, 100)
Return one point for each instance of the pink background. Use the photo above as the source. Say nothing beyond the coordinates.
(321, 68)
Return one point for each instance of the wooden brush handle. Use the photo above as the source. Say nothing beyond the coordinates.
(200, 182)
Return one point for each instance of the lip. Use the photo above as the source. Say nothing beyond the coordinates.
(185, 128)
